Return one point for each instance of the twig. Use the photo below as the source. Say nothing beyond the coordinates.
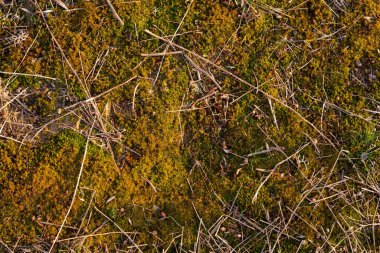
(124, 233)
(75, 191)
(62, 4)
(161, 54)
(197, 68)
(101, 94)
(94, 235)
(25, 74)
(268, 150)
(10, 138)
(245, 82)
(275, 167)
(13, 99)
(273, 112)
(115, 13)
(134, 98)
(171, 40)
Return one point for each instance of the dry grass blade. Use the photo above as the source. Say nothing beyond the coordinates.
(25, 74)
(309, 181)
(115, 13)
(123, 232)
(94, 235)
(272, 171)
(75, 191)
(161, 54)
(91, 99)
(244, 82)
(62, 4)
(13, 99)
(6, 246)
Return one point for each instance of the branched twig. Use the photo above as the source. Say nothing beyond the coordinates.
(243, 81)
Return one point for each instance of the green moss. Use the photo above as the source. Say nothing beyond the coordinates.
(180, 146)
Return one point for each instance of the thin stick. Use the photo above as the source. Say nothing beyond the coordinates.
(94, 235)
(124, 233)
(273, 112)
(76, 189)
(102, 94)
(245, 82)
(277, 165)
(134, 97)
(10, 138)
(268, 150)
(23, 58)
(6, 246)
(13, 99)
(115, 13)
(161, 54)
(171, 40)
(25, 74)
(203, 71)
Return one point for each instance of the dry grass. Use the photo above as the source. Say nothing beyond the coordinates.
(351, 202)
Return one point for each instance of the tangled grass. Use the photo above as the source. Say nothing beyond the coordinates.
(189, 126)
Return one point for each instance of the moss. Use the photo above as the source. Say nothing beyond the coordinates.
(180, 146)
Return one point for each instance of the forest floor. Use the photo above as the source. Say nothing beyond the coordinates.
(190, 126)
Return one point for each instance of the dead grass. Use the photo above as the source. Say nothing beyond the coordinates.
(333, 204)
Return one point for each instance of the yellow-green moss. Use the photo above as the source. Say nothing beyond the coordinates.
(189, 161)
